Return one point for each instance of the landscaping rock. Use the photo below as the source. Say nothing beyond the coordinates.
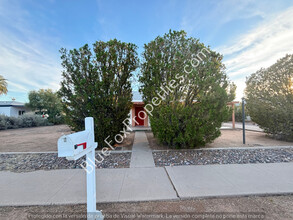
(26, 162)
(222, 156)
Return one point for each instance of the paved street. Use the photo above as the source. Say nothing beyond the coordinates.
(141, 153)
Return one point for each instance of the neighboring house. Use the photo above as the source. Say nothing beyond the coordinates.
(12, 108)
(137, 108)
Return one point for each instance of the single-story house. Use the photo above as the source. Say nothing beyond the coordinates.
(139, 117)
(12, 108)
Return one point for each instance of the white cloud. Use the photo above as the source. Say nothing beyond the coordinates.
(214, 14)
(261, 47)
(28, 59)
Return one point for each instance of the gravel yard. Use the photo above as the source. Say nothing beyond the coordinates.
(272, 207)
(223, 156)
(27, 162)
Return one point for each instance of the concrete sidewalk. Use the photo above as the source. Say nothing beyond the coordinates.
(69, 186)
(146, 184)
(232, 180)
(142, 155)
(238, 125)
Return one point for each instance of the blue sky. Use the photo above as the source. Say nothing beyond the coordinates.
(250, 34)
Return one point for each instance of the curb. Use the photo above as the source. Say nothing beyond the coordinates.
(56, 152)
(229, 148)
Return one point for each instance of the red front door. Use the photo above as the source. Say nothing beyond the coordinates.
(139, 116)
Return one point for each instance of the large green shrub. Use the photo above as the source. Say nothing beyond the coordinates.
(97, 84)
(186, 90)
(270, 98)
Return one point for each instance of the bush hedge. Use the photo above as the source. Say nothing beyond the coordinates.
(24, 121)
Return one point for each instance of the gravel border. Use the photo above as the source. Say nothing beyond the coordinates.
(27, 162)
(222, 156)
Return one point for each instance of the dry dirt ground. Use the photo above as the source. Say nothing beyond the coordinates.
(127, 142)
(37, 139)
(233, 138)
(229, 138)
(41, 139)
(271, 207)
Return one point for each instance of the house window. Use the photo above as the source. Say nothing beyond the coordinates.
(21, 112)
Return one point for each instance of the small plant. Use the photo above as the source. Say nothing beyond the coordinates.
(12, 122)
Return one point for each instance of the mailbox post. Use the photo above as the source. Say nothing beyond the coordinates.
(73, 147)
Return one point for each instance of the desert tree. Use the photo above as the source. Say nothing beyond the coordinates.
(186, 84)
(3, 85)
(45, 101)
(96, 83)
(269, 93)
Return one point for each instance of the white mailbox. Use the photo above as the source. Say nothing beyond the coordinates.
(73, 147)
(76, 145)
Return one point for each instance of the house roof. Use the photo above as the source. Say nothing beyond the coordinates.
(136, 96)
(11, 103)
